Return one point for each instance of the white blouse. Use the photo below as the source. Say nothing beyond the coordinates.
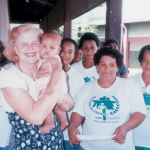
(16, 79)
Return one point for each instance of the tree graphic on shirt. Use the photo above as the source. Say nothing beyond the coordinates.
(104, 102)
(147, 99)
(87, 79)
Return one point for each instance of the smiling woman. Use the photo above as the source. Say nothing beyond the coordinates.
(142, 80)
(89, 44)
(110, 105)
(19, 97)
(74, 81)
(78, 56)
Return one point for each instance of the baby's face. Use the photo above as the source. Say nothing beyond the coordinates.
(49, 47)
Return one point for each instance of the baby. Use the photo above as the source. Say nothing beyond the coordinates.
(48, 75)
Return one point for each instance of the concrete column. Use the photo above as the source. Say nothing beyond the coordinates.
(4, 21)
(67, 29)
(113, 27)
(127, 47)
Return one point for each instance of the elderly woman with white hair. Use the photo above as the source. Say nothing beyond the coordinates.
(19, 98)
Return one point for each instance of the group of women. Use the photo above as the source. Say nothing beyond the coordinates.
(105, 106)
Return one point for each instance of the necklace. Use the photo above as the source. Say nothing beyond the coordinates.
(19, 68)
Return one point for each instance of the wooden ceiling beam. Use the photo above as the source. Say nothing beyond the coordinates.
(44, 2)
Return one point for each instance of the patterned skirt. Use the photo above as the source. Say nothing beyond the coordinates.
(26, 136)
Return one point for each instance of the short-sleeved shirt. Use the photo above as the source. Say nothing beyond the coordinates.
(88, 74)
(105, 109)
(74, 82)
(28, 135)
(142, 132)
(122, 70)
(16, 79)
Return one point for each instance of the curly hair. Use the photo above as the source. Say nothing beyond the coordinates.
(89, 36)
(108, 51)
(143, 50)
(69, 40)
(9, 51)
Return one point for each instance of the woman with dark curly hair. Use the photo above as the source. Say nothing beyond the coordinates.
(142, 80)
(89, 43)
(111, 107)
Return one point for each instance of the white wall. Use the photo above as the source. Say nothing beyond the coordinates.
(4, 21)
(136, 43)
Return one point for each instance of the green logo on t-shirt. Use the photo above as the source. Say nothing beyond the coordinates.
(104, 106)
(147, 99)
(87, 79)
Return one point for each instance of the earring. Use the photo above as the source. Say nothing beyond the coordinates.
(97, 72)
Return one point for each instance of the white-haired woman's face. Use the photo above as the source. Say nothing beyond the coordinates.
(27, 47)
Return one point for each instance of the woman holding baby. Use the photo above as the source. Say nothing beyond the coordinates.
(19, 97)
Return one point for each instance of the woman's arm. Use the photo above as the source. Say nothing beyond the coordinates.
(75, 121)
(135, 119)
(33, 112)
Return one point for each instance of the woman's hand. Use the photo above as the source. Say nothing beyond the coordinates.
(120, 133)
(73, 132)
(135, 119)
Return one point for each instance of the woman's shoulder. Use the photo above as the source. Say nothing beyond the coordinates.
(90, 85)
(11, 78)
(127, 83)
(9, 73)
(135, 77)
(75, 77)
(76, 64)
(74, 73)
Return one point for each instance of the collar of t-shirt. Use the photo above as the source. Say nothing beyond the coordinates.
(109, 88)
(89, 69)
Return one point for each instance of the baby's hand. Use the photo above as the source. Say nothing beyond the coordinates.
(50, 89)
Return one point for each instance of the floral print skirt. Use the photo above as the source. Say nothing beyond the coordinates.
(26, 136)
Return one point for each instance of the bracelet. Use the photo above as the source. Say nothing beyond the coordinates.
(65, 97)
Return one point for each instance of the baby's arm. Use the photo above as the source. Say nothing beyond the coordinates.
(55, 74)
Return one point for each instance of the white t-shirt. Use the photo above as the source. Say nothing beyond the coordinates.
(5, 127)
(142, 132)
(15, 78)
(106, 109)
(74, 82)
(88, 74)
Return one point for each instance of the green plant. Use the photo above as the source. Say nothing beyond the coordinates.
(86, 25)
(60, 30)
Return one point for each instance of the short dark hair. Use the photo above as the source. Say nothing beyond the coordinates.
(89, 36)
(143, 50)
(108, 51)
(69, 40)
(106, 43)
